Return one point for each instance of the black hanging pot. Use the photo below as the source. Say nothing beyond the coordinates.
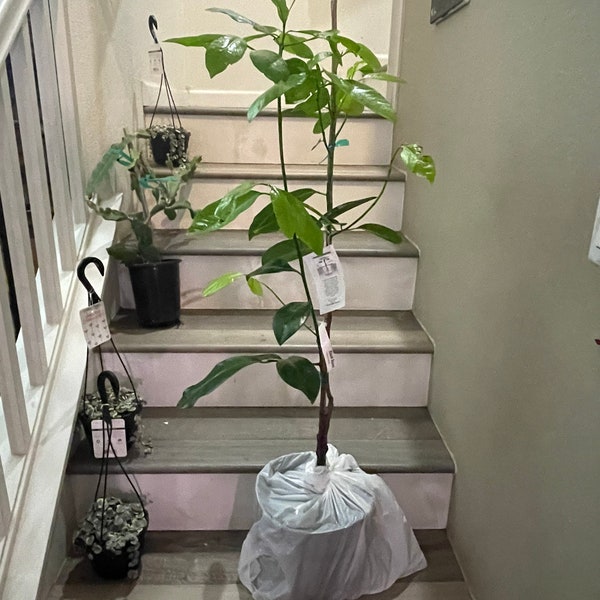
(169, 143)
(156, 292)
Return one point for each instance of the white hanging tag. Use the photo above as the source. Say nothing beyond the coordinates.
(326, 347)
(95, 325)
(118, 439)
(155, 63)
(326, 271)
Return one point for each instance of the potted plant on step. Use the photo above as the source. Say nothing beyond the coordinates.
(112, 537)
(323, 76)
(155, 280)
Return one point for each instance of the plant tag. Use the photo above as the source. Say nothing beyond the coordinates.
(326, 347)
(95, 325)
(326, 271)
(594, 253)
(155, 63)
(118, 438)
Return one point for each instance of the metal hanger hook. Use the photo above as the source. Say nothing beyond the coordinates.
(153, 26)
(81, 267)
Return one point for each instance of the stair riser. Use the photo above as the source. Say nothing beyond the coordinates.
(394, 380)
(372, 283)
(388, 211)
(231, 139)
(222, 501)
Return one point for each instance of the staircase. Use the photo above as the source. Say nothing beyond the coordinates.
(200, 475)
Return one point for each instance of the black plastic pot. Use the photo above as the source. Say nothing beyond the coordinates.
(161, 146)
(116, 566)
(156, 292)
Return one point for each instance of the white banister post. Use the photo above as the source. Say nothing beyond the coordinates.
(53, 132)
(11, 385)
(4, 504)
(70, 117)
(17, 233)
(35, 168)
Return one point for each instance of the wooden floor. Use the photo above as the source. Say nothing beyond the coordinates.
(203, 566)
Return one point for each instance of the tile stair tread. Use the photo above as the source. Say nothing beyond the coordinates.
(214, 440)
(224, 111)
(295, 172)
(211, 557)
(234, 242)
(246, 330)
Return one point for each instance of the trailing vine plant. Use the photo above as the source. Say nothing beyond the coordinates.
(305, 71)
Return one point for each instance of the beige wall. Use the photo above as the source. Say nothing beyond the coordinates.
(506, 95)
(110, 41)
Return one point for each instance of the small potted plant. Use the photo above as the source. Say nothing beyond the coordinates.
(155, 281)
(169, 144)
(122, 403)
(112, 537)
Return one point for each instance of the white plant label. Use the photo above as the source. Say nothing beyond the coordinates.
(326, 272)
(155, 63)
(95, 325)
(326, 347)
(594, 253)
(118, 439)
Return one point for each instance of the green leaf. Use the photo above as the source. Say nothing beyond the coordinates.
(142, 232)
(383, 232)
(264, 222)
(127, 253)
(297, 46)
(365, 95)
(103, 168)
(346, 206)
(108, 213)
(221, 373)
(224, 51)
(195, 41)
(282, 9)
(222, 212)
(299, 373)
(284, 251)
(295, 220)
(219, 283)
(384, 77)
(255, 286)
(360, 50)
(234, 15)
(276, 266)
(270, 64)
(289, 319)
(418, 163)
(274, 92)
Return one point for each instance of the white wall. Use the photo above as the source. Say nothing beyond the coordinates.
(506, 96)
(110, 41)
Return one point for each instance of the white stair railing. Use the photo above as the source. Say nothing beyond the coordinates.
(42, 351)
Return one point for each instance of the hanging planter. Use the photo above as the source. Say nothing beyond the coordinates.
(168, 141)
(112, 536)
(169, 144)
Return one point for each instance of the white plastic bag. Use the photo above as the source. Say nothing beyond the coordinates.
(326, 533)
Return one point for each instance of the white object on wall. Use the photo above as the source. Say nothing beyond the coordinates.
(594, 254)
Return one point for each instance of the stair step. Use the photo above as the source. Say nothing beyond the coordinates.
(203, 564)
(212, 181)
(224, 135)
(390, 346)
(378, 275)
(202, 470)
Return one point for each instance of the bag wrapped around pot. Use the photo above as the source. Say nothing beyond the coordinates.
(331, 532)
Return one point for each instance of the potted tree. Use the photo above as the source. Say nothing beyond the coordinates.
(155, 281)
(112, 537)
(304, 68)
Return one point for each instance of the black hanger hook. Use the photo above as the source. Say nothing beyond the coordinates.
(92, 295)
(152, 26)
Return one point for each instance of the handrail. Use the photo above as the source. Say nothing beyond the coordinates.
(12, 15)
